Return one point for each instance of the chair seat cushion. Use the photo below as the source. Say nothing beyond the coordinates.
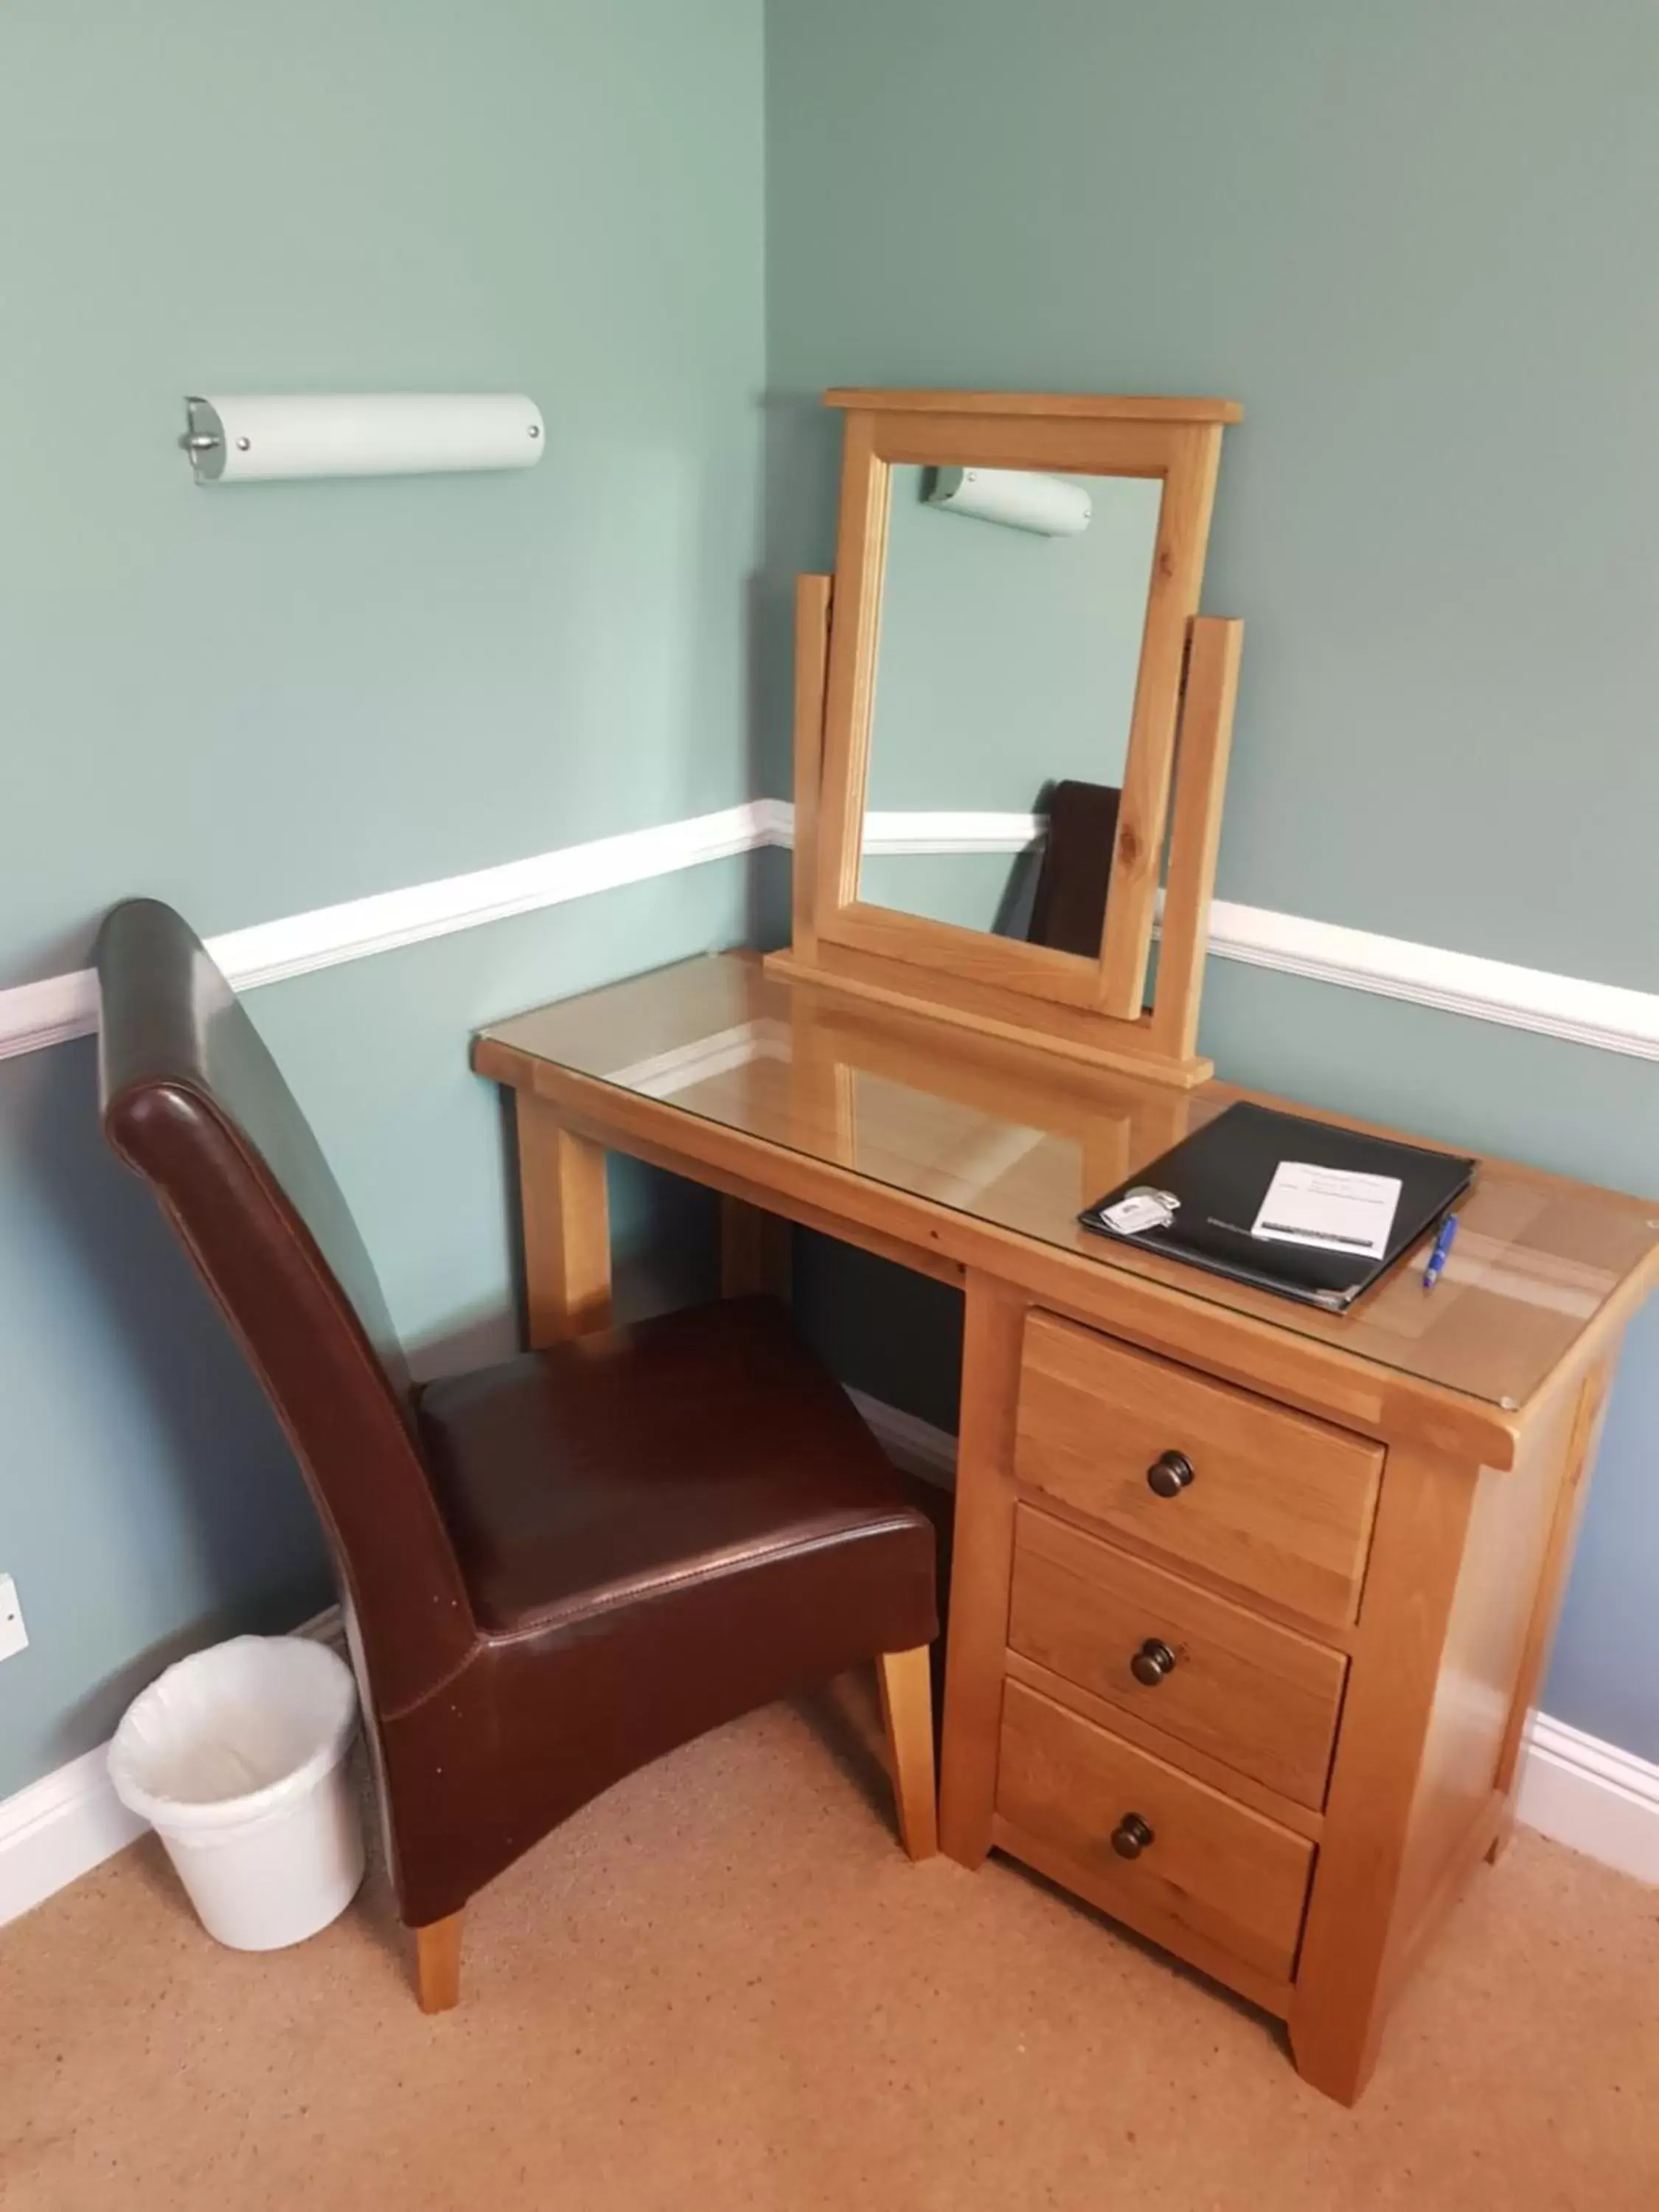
(621, 1466)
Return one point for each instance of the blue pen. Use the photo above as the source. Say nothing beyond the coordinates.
(1443, 1244)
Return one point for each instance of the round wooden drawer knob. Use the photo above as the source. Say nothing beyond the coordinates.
(1152, 1663)
(1170, 1475)
(1132, 1836)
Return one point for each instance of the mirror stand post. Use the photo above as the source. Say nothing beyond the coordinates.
(812, 614)
(1203, 747)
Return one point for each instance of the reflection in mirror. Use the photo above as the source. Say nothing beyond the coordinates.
(1014, 606)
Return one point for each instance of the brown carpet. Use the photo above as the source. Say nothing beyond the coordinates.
(722, 1986)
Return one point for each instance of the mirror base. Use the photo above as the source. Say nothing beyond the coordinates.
(1092, 1039)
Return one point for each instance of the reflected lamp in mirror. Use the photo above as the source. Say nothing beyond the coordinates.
(990, 795)
(1019, 499)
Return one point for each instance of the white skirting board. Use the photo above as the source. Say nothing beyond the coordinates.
(1598, 1799)
(59, 1828)
(71, 1821)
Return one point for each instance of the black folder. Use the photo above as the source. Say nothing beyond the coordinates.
(1221, 1175)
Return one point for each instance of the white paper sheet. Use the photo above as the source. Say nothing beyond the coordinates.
(1329, 1207)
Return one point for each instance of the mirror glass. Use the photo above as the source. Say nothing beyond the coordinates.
(1014, 606)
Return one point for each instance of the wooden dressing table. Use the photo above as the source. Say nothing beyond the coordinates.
(1356, 1588)
(1250, 1601)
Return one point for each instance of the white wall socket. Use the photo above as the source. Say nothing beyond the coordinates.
(14, 1637)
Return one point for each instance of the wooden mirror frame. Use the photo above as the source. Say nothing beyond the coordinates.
(1090, 1009)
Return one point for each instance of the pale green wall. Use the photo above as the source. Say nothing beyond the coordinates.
(261, 699)
(1417, 243)
(254, 702)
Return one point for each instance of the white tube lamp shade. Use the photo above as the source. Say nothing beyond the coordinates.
(1052, 506)
(360, 434)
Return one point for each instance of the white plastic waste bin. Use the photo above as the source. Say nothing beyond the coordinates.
(237, 1756)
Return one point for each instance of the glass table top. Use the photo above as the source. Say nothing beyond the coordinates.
(1016, 1137)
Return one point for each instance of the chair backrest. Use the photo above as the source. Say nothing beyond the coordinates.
(194, 1102)
(1068, 911)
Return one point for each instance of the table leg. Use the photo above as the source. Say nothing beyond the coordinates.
(567, 1227)
(1582, 1442)
(981, 1564)
(1372, 1851)
(755, 1251)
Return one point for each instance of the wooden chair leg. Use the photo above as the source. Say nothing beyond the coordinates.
(907, 1713)
(438, 1964)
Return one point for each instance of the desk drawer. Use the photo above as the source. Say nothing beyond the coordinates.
(1260, 1698)
(1276, 1502)
(1231, 1876)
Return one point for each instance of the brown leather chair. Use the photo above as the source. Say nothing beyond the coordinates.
(555, 1570)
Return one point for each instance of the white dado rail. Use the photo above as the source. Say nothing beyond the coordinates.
(1604, 1015)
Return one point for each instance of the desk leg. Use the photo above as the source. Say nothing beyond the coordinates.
(1582, 1443)
(1381, 1814)
(755, 1252)
(907, 1716)
(567, 1227)
(982, 1564)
